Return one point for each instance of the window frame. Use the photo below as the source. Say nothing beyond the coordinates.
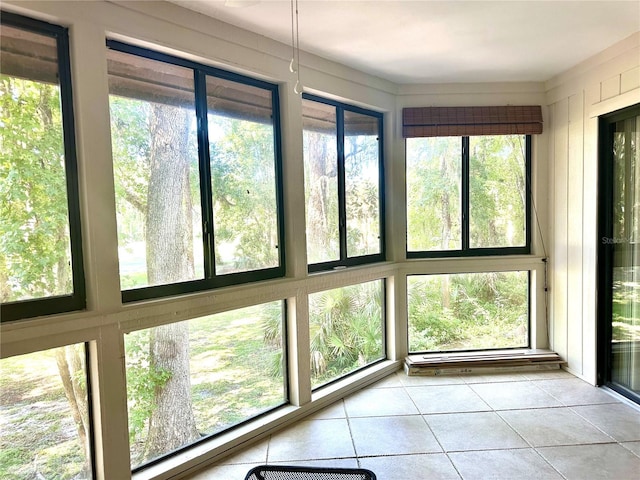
(212, 280)
(345, 260)
(465, 250)
(77, 300)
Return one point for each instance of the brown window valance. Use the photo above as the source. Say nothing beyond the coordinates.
(467, 121)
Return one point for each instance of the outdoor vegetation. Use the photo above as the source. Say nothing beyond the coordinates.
(346, 330)
(236, 371)
(496, 200)
(625, 321)
(34, 227)
(469, 311)
(361, 175)
(466, 311)
(44, 420)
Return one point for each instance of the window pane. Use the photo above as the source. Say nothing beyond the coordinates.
(434, 193)
(497, 191)
(155, 161)
(362, 180)
(321, 181)
(35, 249)
(243, 176)
(195, 378)
(346, 330)
(470, 311)
(44, 416)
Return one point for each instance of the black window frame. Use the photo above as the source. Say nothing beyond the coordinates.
(465, 250)
(212, 280)
(76, 300)
(345, 260)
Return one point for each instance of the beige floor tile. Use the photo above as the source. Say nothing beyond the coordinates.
(520, 464)
(326, 463)
(547, 374)
(419, 380)
(495, 378)
(514, 395)
(380, 402)
(392, 435)
(593, 462)
(473, 431)
(312, 440)
(553, 426)
(617, 420)
(223, 472)
(396, 442)
(390, 381)
(633, 447)
(447, 399)
(335, 410)
(411, 467)
(573, 391)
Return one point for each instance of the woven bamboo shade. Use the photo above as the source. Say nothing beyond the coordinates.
(468, 121)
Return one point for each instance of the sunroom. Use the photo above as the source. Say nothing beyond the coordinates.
(241, 225)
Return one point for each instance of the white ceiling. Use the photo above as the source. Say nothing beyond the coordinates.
(424, 41)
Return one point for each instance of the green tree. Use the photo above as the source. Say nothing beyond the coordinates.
(34, 224)
(345, 329)
(34, 236)
(244, 193)
(153, 170)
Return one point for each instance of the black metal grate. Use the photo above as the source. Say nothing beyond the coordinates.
(281, 472)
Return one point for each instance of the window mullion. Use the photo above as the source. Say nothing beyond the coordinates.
(528, 191)
(206, 195)
(465, 193)
(342, 201)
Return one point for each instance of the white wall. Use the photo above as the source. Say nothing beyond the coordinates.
(604, 83)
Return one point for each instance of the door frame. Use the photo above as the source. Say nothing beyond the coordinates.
(604, 261)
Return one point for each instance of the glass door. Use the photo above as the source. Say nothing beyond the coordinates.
(619, 255)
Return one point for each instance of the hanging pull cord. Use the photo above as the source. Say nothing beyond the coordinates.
(294, 65)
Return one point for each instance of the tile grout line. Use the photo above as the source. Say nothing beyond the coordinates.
(422, 416)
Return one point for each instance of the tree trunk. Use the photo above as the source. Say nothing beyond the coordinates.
(169, 209)
(169, 233)
(172, 424)
(318, 217)
(446, 230)
(73, 374)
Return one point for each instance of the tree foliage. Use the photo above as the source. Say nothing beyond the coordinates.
(34, 225)
(345, 328)
(244, 193)
(484, 310)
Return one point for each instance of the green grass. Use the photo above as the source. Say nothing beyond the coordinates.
(230, 367)
(37, 435)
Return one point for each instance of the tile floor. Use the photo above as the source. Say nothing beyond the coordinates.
(547, 425)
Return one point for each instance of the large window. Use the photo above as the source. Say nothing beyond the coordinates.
(196, 155)
(468, 195)
(468, 311)
(41, 268)
(44, 416)
(192, 379)
(343, 184)
(346, 330)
